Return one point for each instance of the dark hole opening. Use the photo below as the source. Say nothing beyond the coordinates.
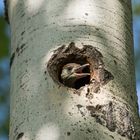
(82, 82)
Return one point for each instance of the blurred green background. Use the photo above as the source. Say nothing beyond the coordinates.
(4, 64)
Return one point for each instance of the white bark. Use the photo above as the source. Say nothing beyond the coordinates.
(40, 109)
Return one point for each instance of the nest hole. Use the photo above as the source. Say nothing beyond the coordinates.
(56, 69)
(77, 59)
(72, 54)
(82, 82)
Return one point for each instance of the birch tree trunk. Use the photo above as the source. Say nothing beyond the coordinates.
(47, 34)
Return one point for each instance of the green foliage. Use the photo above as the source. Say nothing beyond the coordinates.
(4, 129)
(4, 41)
(4, 92)
(136, 9)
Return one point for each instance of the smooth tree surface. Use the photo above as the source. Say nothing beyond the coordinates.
(48, 34)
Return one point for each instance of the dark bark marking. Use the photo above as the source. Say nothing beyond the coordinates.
(12, 59)
(22, 33)
(70, 113)
(111, 136)
(17, 49)
(115, 62)
(89, 131)
(20, 49)
(68, 133)
(79, 106)
(22, 15)
(22, 46)
(20, 135)
(45, 72)
(15, 130)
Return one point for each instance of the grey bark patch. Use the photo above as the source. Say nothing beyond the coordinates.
(116, 118)
(110, 122)
(87, 55)
(96, 113)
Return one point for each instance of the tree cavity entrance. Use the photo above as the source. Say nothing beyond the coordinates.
(75, 67)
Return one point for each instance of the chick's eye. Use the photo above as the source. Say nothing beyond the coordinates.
(69, 68)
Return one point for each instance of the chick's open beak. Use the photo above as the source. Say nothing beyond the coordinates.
(78, 72)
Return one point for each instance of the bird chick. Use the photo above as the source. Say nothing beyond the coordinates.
(71, 72)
